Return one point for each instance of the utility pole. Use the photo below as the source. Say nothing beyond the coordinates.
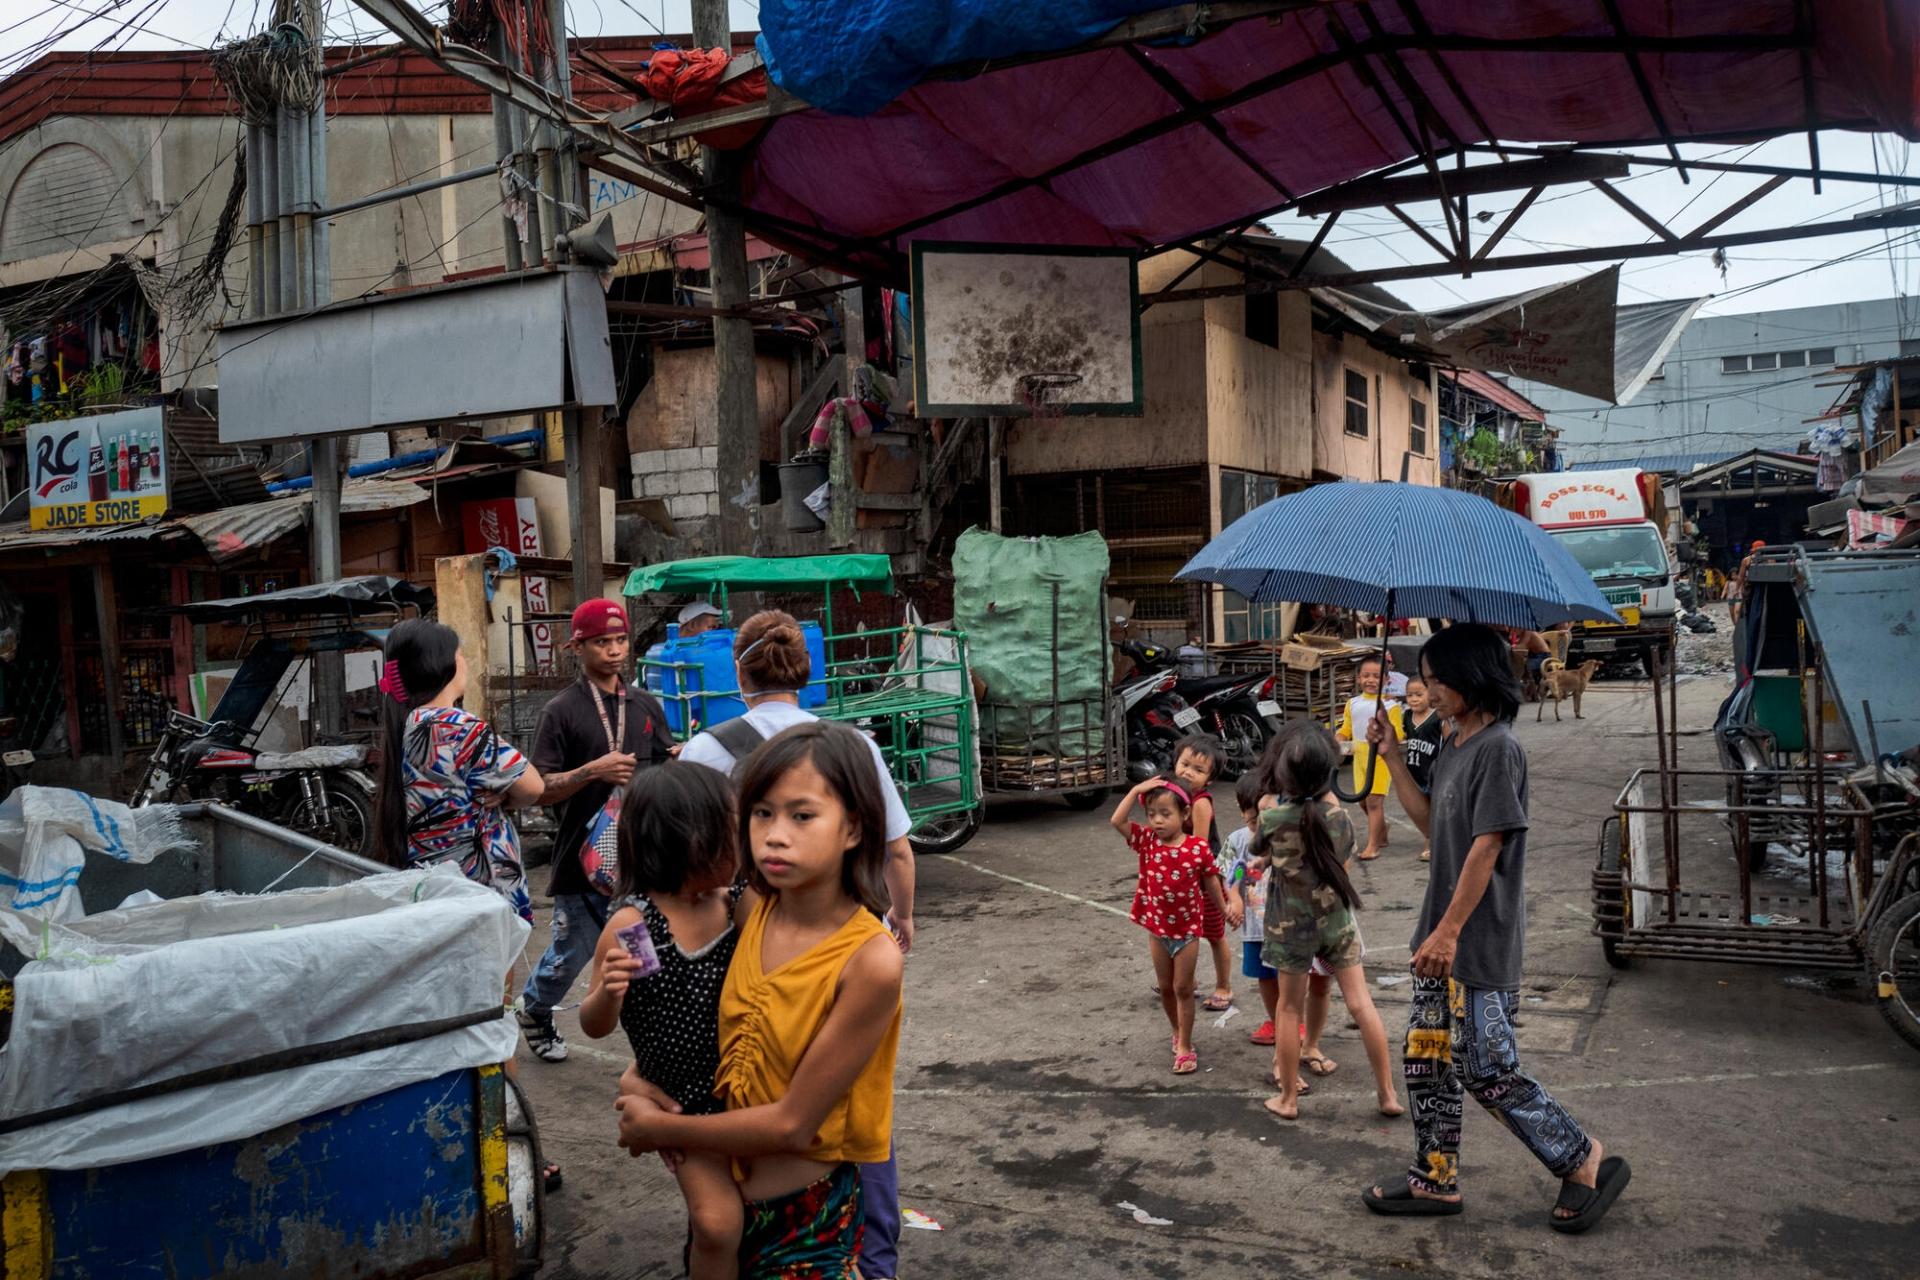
(580, 427)
(737, 411)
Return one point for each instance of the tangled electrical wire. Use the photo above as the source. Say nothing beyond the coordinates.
(279, 67)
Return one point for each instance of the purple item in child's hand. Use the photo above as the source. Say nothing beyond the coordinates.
(639, 945)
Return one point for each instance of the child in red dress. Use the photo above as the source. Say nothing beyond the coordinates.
(1178, 878)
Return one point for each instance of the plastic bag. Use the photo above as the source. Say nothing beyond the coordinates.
(45, 833)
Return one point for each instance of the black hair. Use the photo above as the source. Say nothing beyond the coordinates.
(676, 827)
(1168, 786)
(1248, 790)
(1298, 766)
(1370, 660)
(1202, 744)
(842, 757)
(421, 655)
(1475, 662)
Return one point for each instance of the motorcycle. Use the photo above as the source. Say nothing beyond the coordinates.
(324, 792)
(1236, 709)
(1156, 716)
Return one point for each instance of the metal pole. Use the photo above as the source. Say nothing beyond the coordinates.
(256, 234)
(268, 180)
(503, 153)
(300, 180)
(321, 251)
(737, 452)
(284, 160)
(1817, 846)
(543, 135)
(996, 447)
(413, 189)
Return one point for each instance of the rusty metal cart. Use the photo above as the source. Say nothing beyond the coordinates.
(1807, 855)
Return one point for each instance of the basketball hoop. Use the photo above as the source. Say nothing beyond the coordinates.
(1044, 394)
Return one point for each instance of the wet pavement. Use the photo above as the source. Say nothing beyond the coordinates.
(1772, 1119)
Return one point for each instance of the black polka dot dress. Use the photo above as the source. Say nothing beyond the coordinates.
(672, 1017)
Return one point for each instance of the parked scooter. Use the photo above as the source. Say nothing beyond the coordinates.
(1230, 707)
(1156, 716)
(324, 792)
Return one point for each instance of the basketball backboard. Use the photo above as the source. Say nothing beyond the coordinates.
(1009, 330)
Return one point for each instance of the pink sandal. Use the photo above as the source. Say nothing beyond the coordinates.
(1185, 1064)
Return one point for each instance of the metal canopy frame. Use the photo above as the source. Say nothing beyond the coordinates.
(639, 146)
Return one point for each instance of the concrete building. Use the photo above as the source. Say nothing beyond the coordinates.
(115, 169)
(1734, 383)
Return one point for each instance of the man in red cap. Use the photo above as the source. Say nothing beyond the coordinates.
(592, 736)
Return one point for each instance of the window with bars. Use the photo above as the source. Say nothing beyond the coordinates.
(1417, 428)
(1357, 415)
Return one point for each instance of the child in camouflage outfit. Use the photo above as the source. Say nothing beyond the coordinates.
(1307, 841)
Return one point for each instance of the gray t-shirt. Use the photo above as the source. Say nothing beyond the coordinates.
(1480, 787)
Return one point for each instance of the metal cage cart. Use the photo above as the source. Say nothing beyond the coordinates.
(908, 687)
(1805, 853)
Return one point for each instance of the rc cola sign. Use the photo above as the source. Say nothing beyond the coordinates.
(106, 469)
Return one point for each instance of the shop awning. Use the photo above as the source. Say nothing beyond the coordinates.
(942, 122)
(763, 573)
(345, 595)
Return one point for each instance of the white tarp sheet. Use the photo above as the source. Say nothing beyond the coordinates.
(156, 992)
(1574, 336)
(45, 833)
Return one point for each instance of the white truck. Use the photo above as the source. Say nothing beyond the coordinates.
(1611, 522)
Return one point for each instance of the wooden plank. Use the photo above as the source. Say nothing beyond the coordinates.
(460, 596)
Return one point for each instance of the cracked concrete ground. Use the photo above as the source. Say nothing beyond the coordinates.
(1771, 1125)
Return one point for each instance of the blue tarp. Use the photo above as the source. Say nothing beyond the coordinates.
(853, 57)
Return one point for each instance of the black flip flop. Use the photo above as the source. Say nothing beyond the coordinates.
(1590, 1204)
(1398, 1200)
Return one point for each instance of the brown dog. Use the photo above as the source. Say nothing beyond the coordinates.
(1559, 681)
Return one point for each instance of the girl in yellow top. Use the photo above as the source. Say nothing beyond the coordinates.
(1354, 719)
(809, 1015)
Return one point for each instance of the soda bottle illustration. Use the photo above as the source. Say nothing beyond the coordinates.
(153, 456)
(125, 468)
(96, 472)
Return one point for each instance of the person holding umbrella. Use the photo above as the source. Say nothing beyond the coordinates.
(1490, 569)
(1468, 944)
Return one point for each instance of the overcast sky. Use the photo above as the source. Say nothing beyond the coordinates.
(1559, 219)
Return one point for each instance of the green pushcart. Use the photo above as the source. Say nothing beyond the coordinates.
(908, 687)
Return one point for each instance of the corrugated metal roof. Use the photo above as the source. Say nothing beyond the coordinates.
(21, 538)
(1488, 387)
(235, 531)
(1679, 464)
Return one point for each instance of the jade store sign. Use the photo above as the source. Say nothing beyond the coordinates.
(102, 470)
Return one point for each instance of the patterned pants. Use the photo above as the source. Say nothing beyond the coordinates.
(1460, 1040)
(809, 1234)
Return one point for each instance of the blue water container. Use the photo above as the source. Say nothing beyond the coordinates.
(701, 668)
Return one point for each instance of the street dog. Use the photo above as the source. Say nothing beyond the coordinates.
(1558, 680)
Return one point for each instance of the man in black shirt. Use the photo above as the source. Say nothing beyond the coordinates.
(592, 736)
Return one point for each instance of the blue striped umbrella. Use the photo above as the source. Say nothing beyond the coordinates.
(1402, 551)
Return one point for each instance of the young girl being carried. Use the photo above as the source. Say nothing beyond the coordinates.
(1310, 905)
(1177, 878)
(659, 968)
(809, 1020)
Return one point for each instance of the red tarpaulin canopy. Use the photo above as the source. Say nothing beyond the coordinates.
(1147, 145)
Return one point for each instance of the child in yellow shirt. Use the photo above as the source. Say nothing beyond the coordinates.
(1354, 719)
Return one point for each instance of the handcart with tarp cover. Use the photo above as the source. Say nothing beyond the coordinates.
(1035, 614)
(227, 1050)
(1801, 848)
(909, 687)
